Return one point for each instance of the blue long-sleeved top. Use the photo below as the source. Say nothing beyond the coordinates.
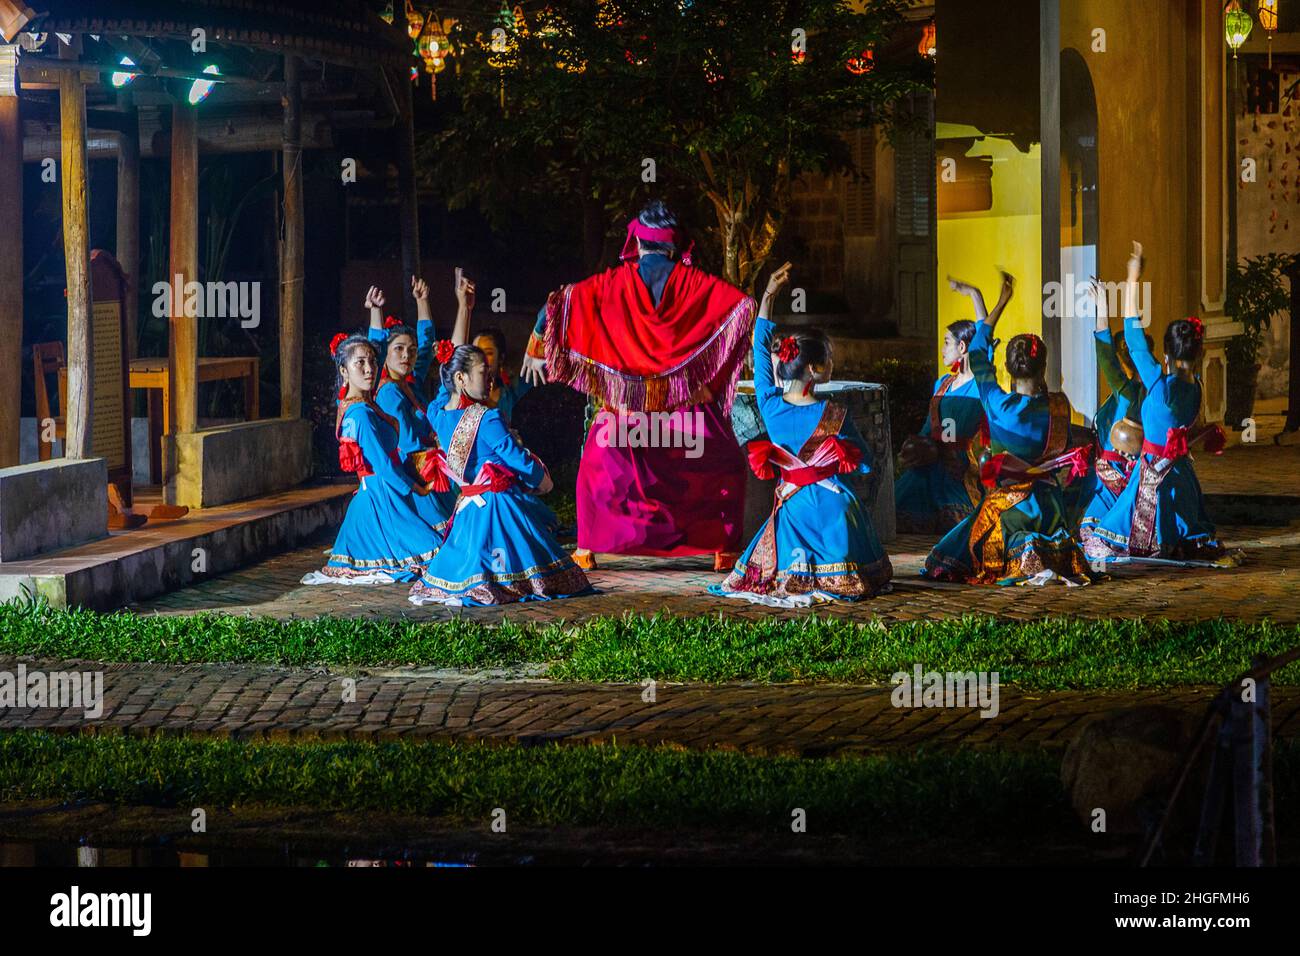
(493, 443)
(1126, 392)
(790, 426)
(377, 441)
(1171, 402)
(1018, 424)
(414, 430)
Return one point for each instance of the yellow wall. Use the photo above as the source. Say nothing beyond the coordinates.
(1148, 144)
(972, 246)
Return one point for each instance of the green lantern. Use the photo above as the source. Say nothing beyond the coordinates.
(1236, 26)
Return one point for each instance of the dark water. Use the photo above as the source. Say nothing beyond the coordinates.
(46, 854)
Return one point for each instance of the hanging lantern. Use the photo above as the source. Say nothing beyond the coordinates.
(1237, 25)
(503, 44)
(1268, 20)
(864, 62)
(926, 47)
(387, 15)
(433, 44)
(414, 20)
(520, 24)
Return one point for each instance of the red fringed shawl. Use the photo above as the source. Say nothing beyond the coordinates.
(606, 337)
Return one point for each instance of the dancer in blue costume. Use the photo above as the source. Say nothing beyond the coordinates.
(383, 538)
(939, 484)
(819, 543)
(499, 549)
(1018, 535)
(1106, 479)
(505, 391)
(407, 357)
(1160, 515)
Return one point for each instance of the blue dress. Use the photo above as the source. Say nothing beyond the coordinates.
(406, 403)
(1161, 511)
(1106, 479)
(382, 538)
(1019, 531)
(819, 544)
(934, 497)
(500, 548)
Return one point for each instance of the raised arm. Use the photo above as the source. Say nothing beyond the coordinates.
(375, 303)
(981, 364)
(1148, 368)
(424, 336)
(763, 329)
(1107, 361)
(464, 306)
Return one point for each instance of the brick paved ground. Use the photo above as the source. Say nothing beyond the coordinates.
(255, 702)
(1268, 586)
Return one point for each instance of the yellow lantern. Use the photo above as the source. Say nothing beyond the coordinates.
(1268, 20)
(414, 20)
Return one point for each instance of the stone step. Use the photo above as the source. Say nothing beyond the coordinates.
(130, 566)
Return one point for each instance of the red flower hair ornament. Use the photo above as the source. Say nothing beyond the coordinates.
(1033, 346)
(1197, 326)
(337, 341)
(789, 350)
(443, 351)
(392, 322)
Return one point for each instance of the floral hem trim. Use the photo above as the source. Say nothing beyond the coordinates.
(506, 589)
(847, 581)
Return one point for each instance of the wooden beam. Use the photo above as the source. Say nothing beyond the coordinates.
(291, 248)
(76, 250)
(183, 341)
(128, 219)
(11, 279)
(407, 200)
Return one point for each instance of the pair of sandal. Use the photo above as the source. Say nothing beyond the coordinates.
(723, 561)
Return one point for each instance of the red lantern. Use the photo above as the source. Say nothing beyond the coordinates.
(865, 62)
(927, 46)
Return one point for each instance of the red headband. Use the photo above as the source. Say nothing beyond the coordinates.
(636, 229)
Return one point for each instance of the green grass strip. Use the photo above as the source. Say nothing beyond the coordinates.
(1050, 654)
(994, 792)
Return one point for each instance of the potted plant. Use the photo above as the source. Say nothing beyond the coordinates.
(1256, 292)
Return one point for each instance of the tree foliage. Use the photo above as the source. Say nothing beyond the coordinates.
(708, 103)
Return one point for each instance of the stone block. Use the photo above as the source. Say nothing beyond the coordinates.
(51, 505)
(243, 460)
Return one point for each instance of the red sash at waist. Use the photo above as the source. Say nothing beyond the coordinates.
(1177, 443)
(833, 456)
(491, 478)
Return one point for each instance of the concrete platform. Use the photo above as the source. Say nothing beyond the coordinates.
(131, 566)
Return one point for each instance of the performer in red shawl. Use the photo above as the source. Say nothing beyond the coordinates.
(659, 344)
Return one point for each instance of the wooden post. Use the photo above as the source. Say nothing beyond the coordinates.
(291, 248)
(11, 279)
(183, 340)
(128, 219)
(76, 250)
(407, 199)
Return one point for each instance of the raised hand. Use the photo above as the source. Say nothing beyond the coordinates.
(777, 281)
(374, 298)
(1008, 285)
(1135, 262)
(419, 289)
(533, 371)
(962, 288)
(1097, 296)
(464, 290)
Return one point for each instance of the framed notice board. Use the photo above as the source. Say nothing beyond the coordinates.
(111, 403)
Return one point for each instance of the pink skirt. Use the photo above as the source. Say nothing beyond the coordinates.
(661, 484)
